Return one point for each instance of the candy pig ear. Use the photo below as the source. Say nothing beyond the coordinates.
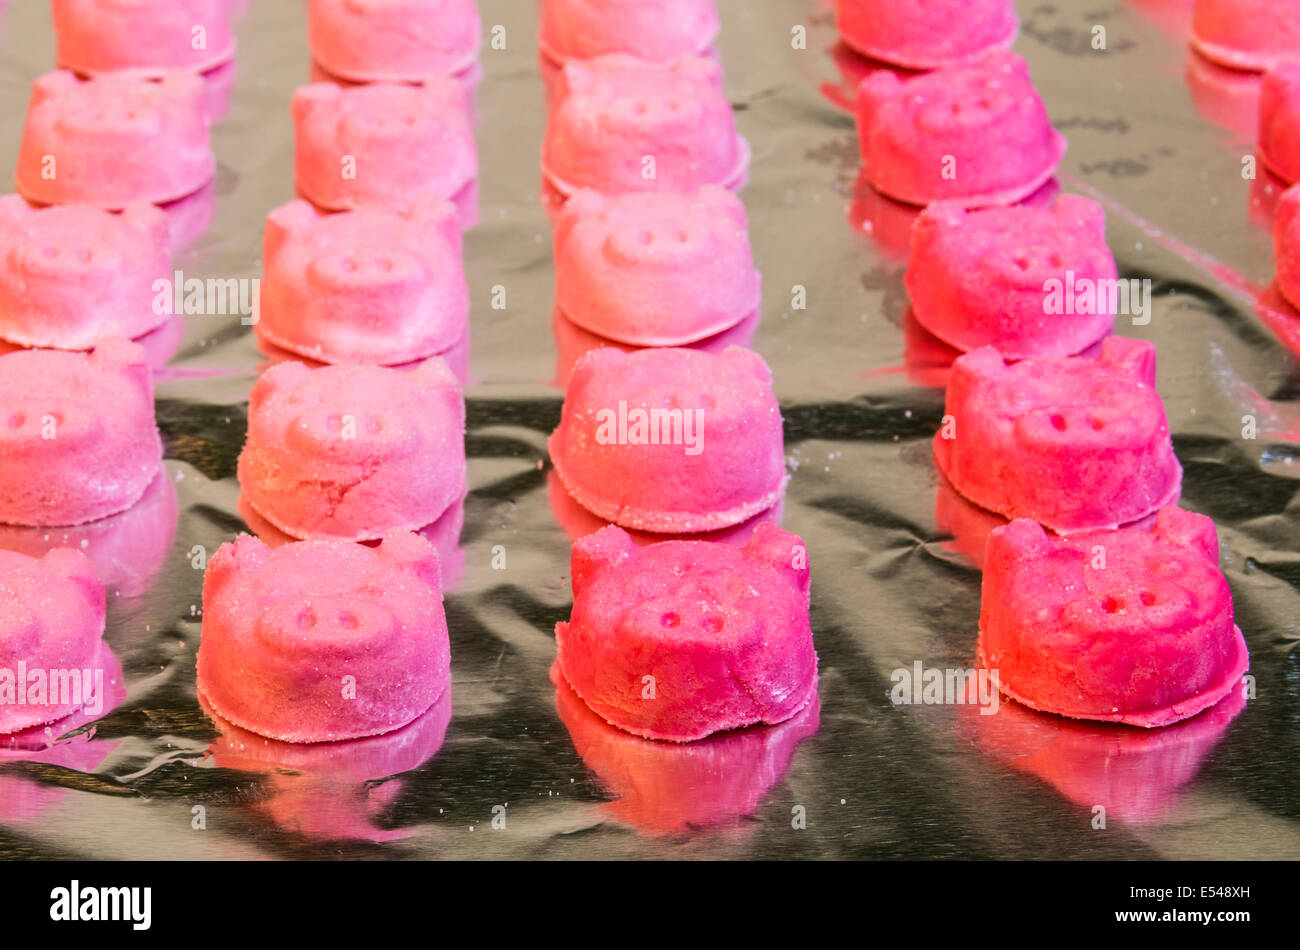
(582, 204)
(1077, 210)
(782, 551)
(440, 215)
(48, 85)
(1190, 529)
(609, 546)
(312, 98)
(14, 208)
(129, 359)
(878, 89)
(244, 553)
(72, 564)
(284, 222)
(151, 220)
(275, 377)
(414, 554)
(1137, 358)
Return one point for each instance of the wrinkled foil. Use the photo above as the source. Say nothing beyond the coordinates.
(511, 766)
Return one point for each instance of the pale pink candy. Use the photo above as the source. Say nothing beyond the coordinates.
(74, 275)
(655, 269)
(381, 145)
(115, 140)
(51, 621)
(1247, 34)
(77, 435)
(1279, 121)
(365, 286)
(99, 36)
(1077, 444)
(670, 440)
(977, 134)
(393, 40)
(353, 451)
(926, 34)
(659, 30)
(1129, 626)
(986, 278)
(323, 640)
(627, 124)
(682, 639)
(1286, 238)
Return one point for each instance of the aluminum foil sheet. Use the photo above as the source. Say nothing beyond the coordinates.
(511, 767)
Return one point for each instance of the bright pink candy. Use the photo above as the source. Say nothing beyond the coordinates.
(115, 140)
(1286, 239)
(366, 286)
(77, 435)
(1074, 443)
(985, 278)
(686, 638)
(381, 145)
(655, 269)
(323, 640)
(626, 124)
(670, 440)
(393, 40)
(352, 451)
(1279, 121)
(1126, 626)
(74, 275)
(100, 36)
(1247, 34)
(926, 34)
(51, 623)
(975, 134)
(660, 30)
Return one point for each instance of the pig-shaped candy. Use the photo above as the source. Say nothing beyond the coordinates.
(381, 145)
(660, 30)
(627, 124)
(365, 286)
(671, 440)
(1130, 626)
(655, 269)
(393, 40)
(926, 34)
(1279, 121)
(686, 638)
(100, 36)
(77, 435)
(986, 278)
(323, 640)
(1074, 443)
(976, 134)
(51, 630)
(115, 140)
(1247, 34)
(1286, 241)
(74, 275)
(353, 451)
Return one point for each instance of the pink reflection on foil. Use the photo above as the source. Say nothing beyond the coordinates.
(573, 341)
(1226, 97)
(332, 791)
(1135, 774)
(188, 218)
(23, 799)
(664, 788)
(126, 550)
(456, 358)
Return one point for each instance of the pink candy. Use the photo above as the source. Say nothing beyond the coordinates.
(985, 278)
(369, 286)
(77, 434)
(1279, 121)
(627, 124)
(1074, 443)
(1287, 243)
(100, 36)
(353, 451)
(51, 630)
(1247, 34)
(926, 34)
(686, 638)
(976, 134)
(72, 276)
(323, 640)
(655, 269)
(1126, 626)
(670, 440)
(381, 145)
(115, 140)
(660, 30)
(393, 40)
